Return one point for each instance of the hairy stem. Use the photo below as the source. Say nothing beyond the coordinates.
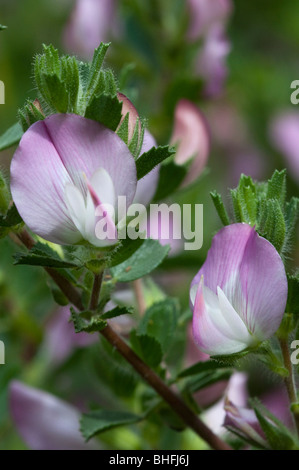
(173, 400)
(289, 380)
(96, 289)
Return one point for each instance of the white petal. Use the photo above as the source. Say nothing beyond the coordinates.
(103, 186)
(76, 206)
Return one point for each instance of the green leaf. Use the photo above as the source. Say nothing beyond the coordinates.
(278, 435)
(230, 359)
(125, 249)
(42, 255)
(291, 215)
(142, 262)
(272, 223)
(220, 208)
(95, 422)
(2, 27)
(29, 114)
(116, 312)
(203, 366)
(147, 348)
(12, 218)
(95, 70)
(170, 179)
(123, 130)
(277, 187)
(105, 109)
(149, 160)
(293, 295)
(236, 205)
(11, 137)
(204, 379)
(95, 324)
(160, 322)
(114, 370)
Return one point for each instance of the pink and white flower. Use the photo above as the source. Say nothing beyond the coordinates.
(239, 295)
(66, 170)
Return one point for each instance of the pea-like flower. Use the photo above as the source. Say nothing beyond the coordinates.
(65, 173)
(191, 135)
(239, 295)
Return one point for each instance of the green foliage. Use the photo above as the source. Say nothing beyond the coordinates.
(11, 219)
(263, 206)
(4, 194)
(11, 137)
(43, 255)
(84, 321)
(142, 262)
(147, 348)
(204, 379)
(200, 367)
(149, 160)
(2, 27)
(95, 82)
(170, 178)
(105, 109)
(220, 208)
(29, 115)
(278, 435)
(116, 312)
(57, 80)
(98, 421)
(160, 322)
(124, 250)
(293, 294)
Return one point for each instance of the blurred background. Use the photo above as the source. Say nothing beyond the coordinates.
(235, 62)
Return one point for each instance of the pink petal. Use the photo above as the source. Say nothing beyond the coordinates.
(264, 287)
(62, 149)
(44, 421)
(251, 274)
(192, 136)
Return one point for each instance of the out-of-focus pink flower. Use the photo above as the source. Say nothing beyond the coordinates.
(239, 295)
(204, 13)
(191, 135)
(236, 391)
(244, 423)
(211, 60)
(44, 421)
(65, 169)
(61, 339)
(284, 134)
(91, 23)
